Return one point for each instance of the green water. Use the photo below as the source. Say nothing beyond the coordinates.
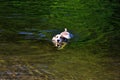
(41, 61)
(92, 54)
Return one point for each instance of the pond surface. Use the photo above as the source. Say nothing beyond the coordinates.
(41, 61)
(33, 56)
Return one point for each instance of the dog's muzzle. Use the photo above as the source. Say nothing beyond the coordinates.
(58, 40)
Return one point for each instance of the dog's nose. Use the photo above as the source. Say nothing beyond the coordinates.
(58, 40)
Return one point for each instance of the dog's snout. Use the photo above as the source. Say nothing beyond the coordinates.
(58, 40)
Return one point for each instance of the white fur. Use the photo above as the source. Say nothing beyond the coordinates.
(64, 34)
(55, 40)
(65, 29)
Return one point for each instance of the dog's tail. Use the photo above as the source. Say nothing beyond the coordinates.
(65, 29)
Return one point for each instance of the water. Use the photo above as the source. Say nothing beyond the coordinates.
(40, 35)
(41, 61)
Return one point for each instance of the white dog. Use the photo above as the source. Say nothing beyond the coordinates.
(65, 34)
(62, 37)
(57, 40)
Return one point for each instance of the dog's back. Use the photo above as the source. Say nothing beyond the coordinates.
(65, 34)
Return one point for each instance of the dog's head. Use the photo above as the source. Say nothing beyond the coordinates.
(58, 36)
(56, 39)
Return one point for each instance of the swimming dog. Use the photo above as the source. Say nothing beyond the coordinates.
(57, 40)
(62, 37)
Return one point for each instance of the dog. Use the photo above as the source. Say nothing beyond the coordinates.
(57, 40)
(62, 37)
(65, 34)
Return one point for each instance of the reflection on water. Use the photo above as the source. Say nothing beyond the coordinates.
(25, 61)
(35, 34)
(19, 69)
(40, 61)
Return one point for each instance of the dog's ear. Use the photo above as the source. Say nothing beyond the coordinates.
(65, 29)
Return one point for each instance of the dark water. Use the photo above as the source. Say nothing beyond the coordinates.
(26, 59)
